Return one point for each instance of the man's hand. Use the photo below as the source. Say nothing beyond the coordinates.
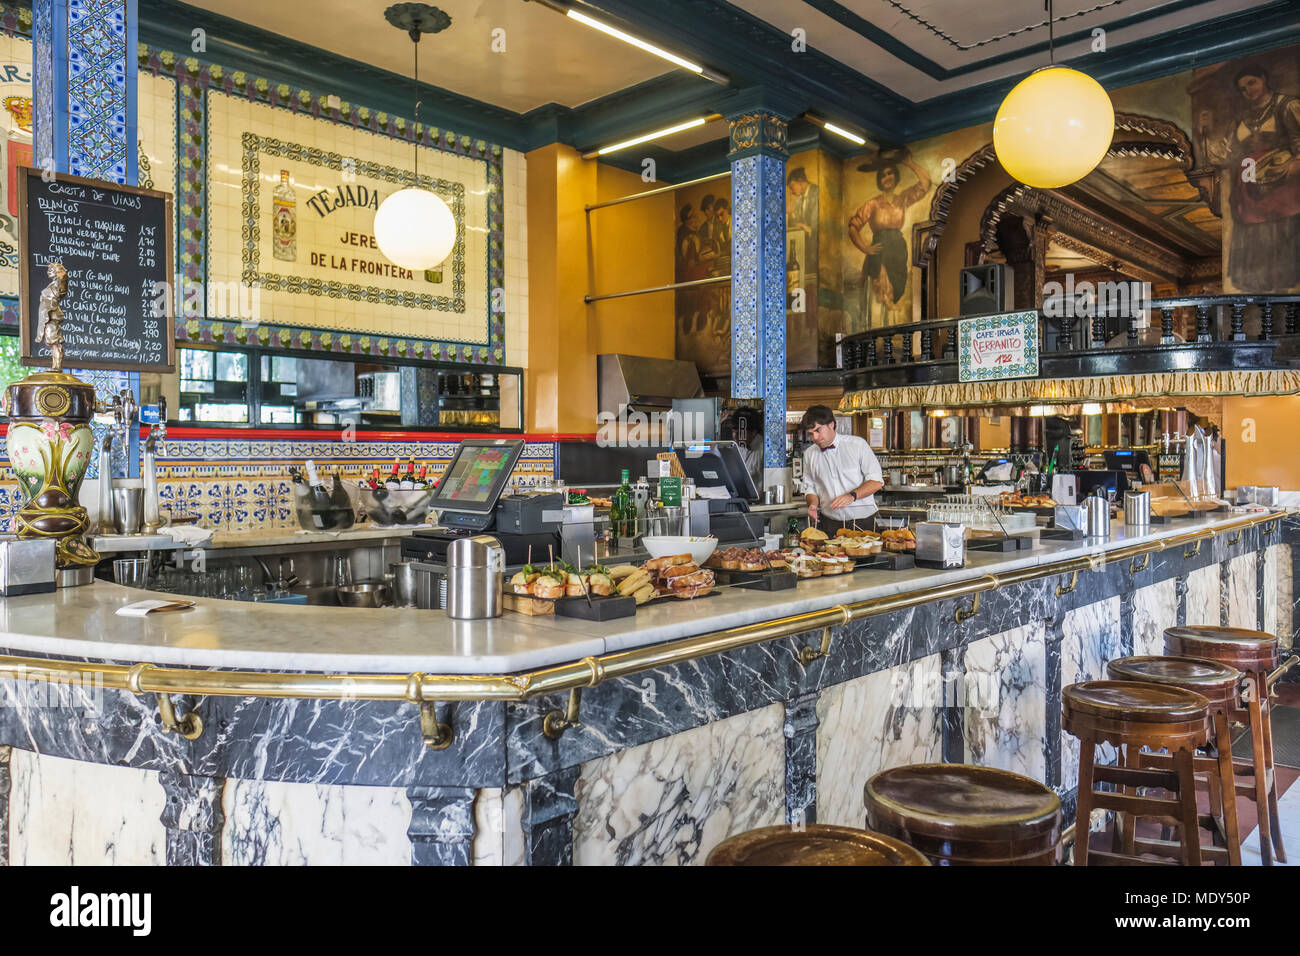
(842, 501)
(812, 514)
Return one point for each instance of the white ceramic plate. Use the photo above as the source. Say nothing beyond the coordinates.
(660, 546)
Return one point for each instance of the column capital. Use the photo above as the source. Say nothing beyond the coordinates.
(758, 121)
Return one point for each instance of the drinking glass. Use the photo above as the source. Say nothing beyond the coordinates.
(131, 572)
(342, 571)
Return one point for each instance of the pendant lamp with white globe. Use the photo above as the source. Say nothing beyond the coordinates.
(1055, 125)
(414, 228)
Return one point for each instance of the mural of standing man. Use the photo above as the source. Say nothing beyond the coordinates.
(886, 262)
(1254, 135)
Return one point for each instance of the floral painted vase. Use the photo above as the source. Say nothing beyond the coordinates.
(50, 444)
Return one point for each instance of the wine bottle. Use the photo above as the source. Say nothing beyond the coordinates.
(408, 480)
(374, 478)
(320, 498)
(422, 479)
(625, 525)
(339, 497)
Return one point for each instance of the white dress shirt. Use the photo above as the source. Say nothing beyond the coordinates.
(839, 469)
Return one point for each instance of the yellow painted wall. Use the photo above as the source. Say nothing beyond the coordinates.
(629, 246)
(632, 248)
(1270, 459)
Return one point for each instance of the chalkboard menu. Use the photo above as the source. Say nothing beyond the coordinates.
(116, 243)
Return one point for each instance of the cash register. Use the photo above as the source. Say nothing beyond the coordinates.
(719, 466)
(469, 501)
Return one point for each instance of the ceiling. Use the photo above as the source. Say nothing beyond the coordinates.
(895, 70)
(547, 57)
(921, 49)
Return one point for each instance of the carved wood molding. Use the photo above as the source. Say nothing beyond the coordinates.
(1169, 143)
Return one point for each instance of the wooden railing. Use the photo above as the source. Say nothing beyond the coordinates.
(926, 352)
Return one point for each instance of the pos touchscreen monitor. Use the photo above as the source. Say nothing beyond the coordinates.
(476, 475)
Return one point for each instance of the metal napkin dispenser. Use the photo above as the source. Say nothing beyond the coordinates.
(26, 566)
(1257, 495)
(941, 543)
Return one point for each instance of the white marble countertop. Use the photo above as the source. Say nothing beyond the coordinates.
(80, 622)
(258, 538)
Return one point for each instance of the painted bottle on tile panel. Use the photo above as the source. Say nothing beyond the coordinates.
(284, 244)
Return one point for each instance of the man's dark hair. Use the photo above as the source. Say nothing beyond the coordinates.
(817, 415)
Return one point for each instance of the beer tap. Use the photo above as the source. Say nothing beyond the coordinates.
(149, 469)
(124, 410)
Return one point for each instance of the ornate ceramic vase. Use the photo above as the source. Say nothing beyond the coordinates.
(50, 444)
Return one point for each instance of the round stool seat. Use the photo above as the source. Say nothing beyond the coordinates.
(817, 844)
(1235, 646)
(966, 815)
(1134, 702)
(1218, 683)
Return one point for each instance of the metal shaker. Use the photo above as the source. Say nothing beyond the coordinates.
(475, 568)
(1137, 509)
(1098, 516)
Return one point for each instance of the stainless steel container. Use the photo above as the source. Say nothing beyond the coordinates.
(475, 568)
(430, 586)
(1137, 509)
(940, 542)
(671, 521)
(128, 510)
(1097, 509)
(405, 584)
(27, 566)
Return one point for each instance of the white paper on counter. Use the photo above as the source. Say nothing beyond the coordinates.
(141, 608)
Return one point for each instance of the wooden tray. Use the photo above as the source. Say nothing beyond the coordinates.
(526, 604)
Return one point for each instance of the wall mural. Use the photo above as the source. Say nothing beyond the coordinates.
(887, 194)
(701, 250)
(1247, 116)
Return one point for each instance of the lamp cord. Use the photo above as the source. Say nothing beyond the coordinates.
(415, 123)
(1051, 45)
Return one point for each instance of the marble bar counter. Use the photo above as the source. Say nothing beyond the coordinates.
(330, 735)
(257, 540)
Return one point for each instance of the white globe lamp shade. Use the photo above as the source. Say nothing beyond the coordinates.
(415, 229)
(1053, 128)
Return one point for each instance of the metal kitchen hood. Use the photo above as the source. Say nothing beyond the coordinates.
(643, 383)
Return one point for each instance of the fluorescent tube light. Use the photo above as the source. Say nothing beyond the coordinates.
(635, 41)
(689, 124)
(840, 131)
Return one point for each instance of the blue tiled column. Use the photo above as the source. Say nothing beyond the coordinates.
(84, 91)
(758, 155)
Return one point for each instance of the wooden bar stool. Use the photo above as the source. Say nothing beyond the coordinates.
(1254, 653)
(1221, 686)
(817, 844)
(961, 815)
(1132, 715)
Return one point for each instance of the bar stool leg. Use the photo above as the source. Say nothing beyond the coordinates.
(1227, 786)
(1260, 761)
(1270, 774)
(1184, 763)
(1083, 802)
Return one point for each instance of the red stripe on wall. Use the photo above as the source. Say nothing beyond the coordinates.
(332, 434)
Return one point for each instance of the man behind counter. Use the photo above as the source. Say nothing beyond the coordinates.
(840, 473)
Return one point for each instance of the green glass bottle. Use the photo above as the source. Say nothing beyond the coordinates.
(622, 516)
